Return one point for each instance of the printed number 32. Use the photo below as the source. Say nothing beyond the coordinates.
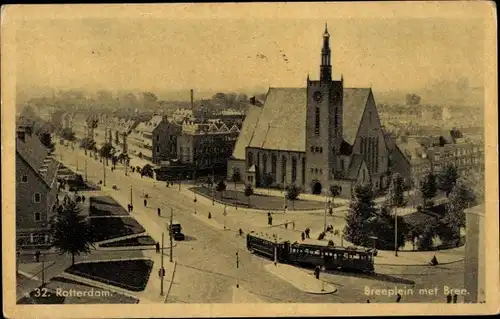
(41, 292)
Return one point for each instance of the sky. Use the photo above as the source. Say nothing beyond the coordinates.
(226, 53)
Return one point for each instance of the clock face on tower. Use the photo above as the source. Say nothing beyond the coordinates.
(318, 96)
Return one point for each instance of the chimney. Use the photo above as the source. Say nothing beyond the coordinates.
(192, 99)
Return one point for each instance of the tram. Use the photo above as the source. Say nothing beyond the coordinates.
(311, 254)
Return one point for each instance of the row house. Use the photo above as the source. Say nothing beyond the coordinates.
(418, 156)
(206, 145)
(36, 189)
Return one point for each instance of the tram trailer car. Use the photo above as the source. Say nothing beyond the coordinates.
(356, 259)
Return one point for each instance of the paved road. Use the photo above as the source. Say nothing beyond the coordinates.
(206, 260)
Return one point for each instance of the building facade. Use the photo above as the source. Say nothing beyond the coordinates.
(36, 190)
(475, 250)
(314, 137)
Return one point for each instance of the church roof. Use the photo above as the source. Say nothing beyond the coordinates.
(280, 123)
(246, 132)
(355, 100)
(356, 162)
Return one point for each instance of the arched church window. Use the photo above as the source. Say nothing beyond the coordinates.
(283, 169)
(264, 163)
(274, 161)
(303, 170)
(317, 149)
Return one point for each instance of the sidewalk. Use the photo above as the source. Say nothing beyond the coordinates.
(300, 279)
(419, 258)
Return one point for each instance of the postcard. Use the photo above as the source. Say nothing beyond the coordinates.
(249, 159)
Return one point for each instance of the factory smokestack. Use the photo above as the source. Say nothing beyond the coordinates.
(192, 99)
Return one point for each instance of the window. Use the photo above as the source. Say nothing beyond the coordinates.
(38, 217)
(37, 198)
(250, 159)
(316, 130)
(303, 170)
(283, 169)
(264, 163)
(317, 149)
(342, 164)
(158, 137)
(24, 179)
(157, 149)
(274, 161)
(294, 169)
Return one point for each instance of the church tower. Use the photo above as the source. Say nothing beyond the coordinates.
(324, 123)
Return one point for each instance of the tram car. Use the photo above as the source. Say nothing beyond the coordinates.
(312, 253)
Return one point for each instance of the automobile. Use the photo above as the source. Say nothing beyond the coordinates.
(179, 236)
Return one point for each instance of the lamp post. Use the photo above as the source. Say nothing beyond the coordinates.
(161, 269)
(326, 210)
(275, 249)
(395, 232)
(225, 214)
(86, 180)
(131, 202)
(171, 234)
(104, 169)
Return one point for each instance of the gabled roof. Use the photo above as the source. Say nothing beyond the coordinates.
(355, 100)
(246, 132)
(234, 129)
(354, 167)
(223, 128)
(281, 124)
(34, 153)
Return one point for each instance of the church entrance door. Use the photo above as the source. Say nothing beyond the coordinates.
(316, 189)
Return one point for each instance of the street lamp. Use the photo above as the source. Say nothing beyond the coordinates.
(395, 232)
(225, 214)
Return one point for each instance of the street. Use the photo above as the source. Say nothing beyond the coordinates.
(206, 269)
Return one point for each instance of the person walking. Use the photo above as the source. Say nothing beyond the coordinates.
(145, 202)
(307, 232)
(83, 199)
(37, 256)
(398, 298)
(269, 219)
(159, 211)
(128, 207)
(448, 298)
(131, 208)
(455, 297)
(302, 236)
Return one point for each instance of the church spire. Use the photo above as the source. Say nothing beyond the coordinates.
(326, 68)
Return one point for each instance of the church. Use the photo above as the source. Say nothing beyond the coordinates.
(320, 135)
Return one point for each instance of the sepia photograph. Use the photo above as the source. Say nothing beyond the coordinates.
(291, 158)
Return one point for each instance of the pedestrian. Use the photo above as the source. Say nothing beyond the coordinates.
(455, 297)
(302, 236)
(398, 298)
(317, 271)
(293, 225)
(269, 219)
(286, 225)
(83, 199)
(159, 211)
(157, 247)
(367, 300)
(131, 208)
(307, 232)
(448, 298)
(434, 261)
(37, 256)
(145, 203)
(240, 232)
(128, 208)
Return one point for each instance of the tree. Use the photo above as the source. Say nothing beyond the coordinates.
(267, 180)
(106, 150)
(335, 190)
(428, 188)
(292, 193)
(70, 232)
(221, 187)
(383, 227)
(447, 179)
(248, 192)
(396, 191)
(459, 199)
(236, 178)
(425, 241)
(46, 140)
(361, 213)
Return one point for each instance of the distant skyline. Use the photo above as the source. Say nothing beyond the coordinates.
(153, 54)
